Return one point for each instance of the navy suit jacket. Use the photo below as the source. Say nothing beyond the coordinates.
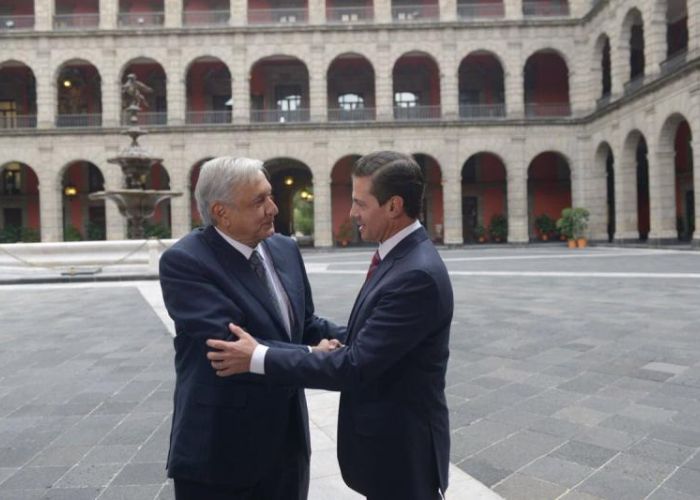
(393, 430)
(229, 430)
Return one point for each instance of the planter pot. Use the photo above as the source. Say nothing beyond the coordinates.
(545, 237)
(581, 242)
(572, 243)
(481, 239)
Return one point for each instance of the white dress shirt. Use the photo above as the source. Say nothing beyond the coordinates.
(257, 362)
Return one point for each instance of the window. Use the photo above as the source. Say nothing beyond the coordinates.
(406, 99)
(288, 97)
(11, 179)
(349, 102)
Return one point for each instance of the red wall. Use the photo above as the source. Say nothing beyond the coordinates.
(141, 6)
(683, 170)
(418, 74)
(341, 191)
(550, 186)
(490, 170)
(23, 75)
(549, 77)
(31, 189)
(197, 97)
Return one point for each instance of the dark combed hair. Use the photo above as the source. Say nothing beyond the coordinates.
(393, 174)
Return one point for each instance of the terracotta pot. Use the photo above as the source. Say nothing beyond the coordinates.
(545, 237)
(572, 243)
(581, 242)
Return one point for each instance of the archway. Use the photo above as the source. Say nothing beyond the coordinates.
(152, 74)
(208, 92)
(416, 78)
(350, 89)
(548, 187)
(344, 230)
(432, 215)
(279, 90)
(546, 84)
(19, 203)
(484, 195)
(292, 188)
(481, 86)
(17, 96)
(83, 218)
(79, 95)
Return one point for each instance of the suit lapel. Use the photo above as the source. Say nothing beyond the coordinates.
(397, 253)
(239, 269)
(290, 285)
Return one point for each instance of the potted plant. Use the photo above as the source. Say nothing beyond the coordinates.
(498, 228)
(344, 234)
(546, 226)
(480, 233)
(573, 224)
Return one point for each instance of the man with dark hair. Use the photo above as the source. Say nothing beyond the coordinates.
(393, 430)
(237, 438)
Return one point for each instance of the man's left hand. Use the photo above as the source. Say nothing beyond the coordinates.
(231, 358)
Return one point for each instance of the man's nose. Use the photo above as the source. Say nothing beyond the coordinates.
(272, 208)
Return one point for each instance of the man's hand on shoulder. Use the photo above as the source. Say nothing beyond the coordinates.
(231, 358)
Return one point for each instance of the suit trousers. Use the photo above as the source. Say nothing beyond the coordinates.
(288, 479)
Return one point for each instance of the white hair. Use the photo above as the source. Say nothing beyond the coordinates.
(217, 179)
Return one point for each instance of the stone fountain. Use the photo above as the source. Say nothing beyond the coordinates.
(134, 201)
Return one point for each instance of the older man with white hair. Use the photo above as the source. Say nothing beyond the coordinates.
(238, 437)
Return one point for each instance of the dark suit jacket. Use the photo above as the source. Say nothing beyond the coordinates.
(229, 430)
(393, 430)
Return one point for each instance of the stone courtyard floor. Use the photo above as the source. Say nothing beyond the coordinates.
(573, 374)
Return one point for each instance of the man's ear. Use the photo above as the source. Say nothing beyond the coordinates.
(396, 206)
(218, 211)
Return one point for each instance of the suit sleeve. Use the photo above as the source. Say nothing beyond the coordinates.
(402, 317)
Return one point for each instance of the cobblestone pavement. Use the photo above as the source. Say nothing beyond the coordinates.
(573, 374)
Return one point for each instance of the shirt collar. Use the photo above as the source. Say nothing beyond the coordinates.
(388, 245)
(244, 249)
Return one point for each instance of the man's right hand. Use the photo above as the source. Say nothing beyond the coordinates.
(327, 345)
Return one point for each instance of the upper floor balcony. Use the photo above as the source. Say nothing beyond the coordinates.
(16, 15)
(545, 8)
(410, 10)
(469, 10)
(276, 12)
(72, 15)
(349, 11)
(205, 13)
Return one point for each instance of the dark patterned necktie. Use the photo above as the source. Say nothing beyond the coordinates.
(256, 263)
(373, 265)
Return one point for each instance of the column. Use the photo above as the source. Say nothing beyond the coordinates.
(619, 63)
(449, 82)
(654, 45)
(111, 93)
(448, 10)
(513, 9)
(175, 91)
(173, 13)
(578, 9)
(581, 98)
(317, 11)
(693, 31)
(43, 15)
(239, 13)
(46, 105)
(115, 223)
(451, 193)
(318, 103)
(383, 73)
(180, 205)
(108, 14)
(626, 228)
(517, 203)
(241, 86)
(382, 12)
(594, 193)
(323, 232)
(514, 84)
(50, 199)
(662, 195)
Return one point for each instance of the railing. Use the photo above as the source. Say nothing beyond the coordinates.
(674, 61)
(603, 101)
(340, 15)
(292, 15)
(545, 8)
(205, 17)
(208, 117)
(351, 115)
(18, 121)
(417, 113)
(482, 111)
(82, 120)
(407, 13)
(141, 19)
(636, 83)
(547, 109)
(480, 10)
(76, 21)
(279, 116)
(10, 22)
(150, 118)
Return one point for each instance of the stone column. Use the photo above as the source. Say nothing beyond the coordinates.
(694, 34)
(176, 92)
(180, 205)
(662, 195)
(239, 13)
(696, 185)
(517, 195)
(595, 193)
(108, 14)
(50, 201)
(46, 98)
(382, 12)
(173, 13)
(241, 86)
(619, 63)
(43, 15)
(654, 46)
(317, 11)
(318, 103)
(111, 92)
(449, 82)
(384, 84)
(448, 10)
(626, 228)
(513, 8)
(451, 193)
(514, 84)
(579, 84)
(323, 232)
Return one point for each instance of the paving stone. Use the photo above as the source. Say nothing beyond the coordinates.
(89, 475)
(584, 453)
(110, 454)
(581, 415)
(637, 466)
(558, 471)
(684, 480)
(139, 474)
(669, 494)
(72, 494)
(483, 472)
(60, 455)
(608, 438)
(519, 449)
(616, 486)
(522, 487)
(671, 453)
(132, 492)
(34, 477)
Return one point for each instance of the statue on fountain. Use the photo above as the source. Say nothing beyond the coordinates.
(133, 92)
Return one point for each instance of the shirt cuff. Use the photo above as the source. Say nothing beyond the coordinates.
(311, 349)
(257, 362)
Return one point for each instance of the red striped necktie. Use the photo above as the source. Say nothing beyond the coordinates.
(373, 265)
